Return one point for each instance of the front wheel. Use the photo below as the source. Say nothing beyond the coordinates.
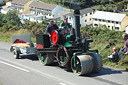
(82, 64)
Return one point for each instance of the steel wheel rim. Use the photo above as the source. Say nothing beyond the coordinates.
(78, 68)
(43, 59)
(62, 58)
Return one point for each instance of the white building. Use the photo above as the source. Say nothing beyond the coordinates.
(8, 4)
(38, 18)
(19, 4)
(114, 21)
(41, 8)
(33, 17)
(85, 17)
(6, 10)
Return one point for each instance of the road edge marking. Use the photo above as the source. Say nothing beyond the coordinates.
(14, 66)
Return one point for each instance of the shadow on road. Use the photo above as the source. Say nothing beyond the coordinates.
(105, 71)
(30, 57)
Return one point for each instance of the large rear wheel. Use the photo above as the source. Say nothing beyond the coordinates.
(82, 64)
(62, 56)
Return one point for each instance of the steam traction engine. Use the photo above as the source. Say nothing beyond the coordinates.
(70, 50)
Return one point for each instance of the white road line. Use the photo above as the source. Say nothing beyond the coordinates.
(62, 84)
(14, 66)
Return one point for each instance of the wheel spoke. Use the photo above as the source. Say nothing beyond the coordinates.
(62, 56)
(78, 66)
(45, 58)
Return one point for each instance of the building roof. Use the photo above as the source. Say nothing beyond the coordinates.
(40, 4)
(86, 10)
(109, 16)
(82, 11)
(23, 2)
(61, 13)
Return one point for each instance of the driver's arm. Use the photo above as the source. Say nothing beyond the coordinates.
(47, 31)
(61, 25)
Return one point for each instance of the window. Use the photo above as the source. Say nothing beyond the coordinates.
(96, 25)
(99, 19)
(95, 19)
(42, 9)
(108, 26)
(116, 28)
(112, 21)
(103, 20)
(39, 8)
(85, 14)
(69, 17)
(47, 10)
(108, 21)
(90, 19)
(117, 22)
(90, 13)
(31, 7)
(85, 20)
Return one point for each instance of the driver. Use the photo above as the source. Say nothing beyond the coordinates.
(51, 26)
(65, 25)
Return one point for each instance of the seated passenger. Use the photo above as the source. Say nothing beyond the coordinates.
(114, 56)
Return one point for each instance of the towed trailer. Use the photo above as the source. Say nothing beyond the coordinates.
(21, 44)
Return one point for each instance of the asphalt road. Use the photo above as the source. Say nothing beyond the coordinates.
(28, 71)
